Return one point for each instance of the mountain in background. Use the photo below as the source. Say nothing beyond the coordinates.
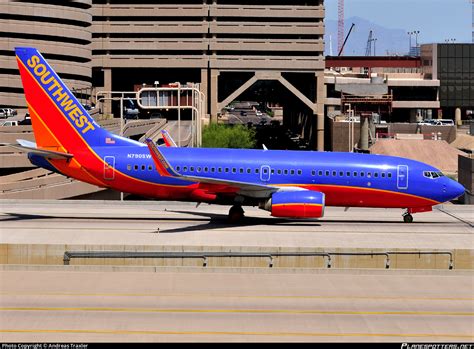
(389, 41)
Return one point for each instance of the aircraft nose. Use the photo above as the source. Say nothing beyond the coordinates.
(455, 189)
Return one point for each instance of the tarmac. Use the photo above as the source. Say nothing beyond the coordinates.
(416, 300)
(225, 305)
(182, 224)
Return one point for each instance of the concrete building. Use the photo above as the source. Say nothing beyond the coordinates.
(225, 45)
(453, 66)
(60, 30)
(394, 87)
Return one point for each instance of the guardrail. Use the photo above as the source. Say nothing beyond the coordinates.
(68, 255)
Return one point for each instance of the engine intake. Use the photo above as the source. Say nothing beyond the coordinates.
(297, 204)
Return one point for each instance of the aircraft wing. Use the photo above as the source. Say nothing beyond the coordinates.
(244, 188)
(30, 147)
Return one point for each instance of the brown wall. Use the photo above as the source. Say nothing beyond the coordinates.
(59, 30)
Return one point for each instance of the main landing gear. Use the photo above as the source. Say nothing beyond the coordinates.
(407, 217)
(236, 214)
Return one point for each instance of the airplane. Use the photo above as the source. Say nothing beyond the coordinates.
(289, 184)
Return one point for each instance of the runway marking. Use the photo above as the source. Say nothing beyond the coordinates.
(237, 311)
(245, 333)
(190, 295)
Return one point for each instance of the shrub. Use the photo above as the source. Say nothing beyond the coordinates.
(227, 136)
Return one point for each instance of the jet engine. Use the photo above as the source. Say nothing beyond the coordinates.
(295, 204)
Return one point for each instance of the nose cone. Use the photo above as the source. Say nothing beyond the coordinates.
(455, 189)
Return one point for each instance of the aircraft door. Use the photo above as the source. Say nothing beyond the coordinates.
(265, 173)
(109, 167)
(402, 177)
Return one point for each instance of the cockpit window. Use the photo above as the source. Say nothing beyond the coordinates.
(432, 174)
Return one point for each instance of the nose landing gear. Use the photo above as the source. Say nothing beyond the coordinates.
(407, 217)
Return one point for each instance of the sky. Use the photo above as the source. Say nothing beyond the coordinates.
(437, 20)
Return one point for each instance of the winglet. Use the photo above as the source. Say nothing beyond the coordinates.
(163, 166)
(168, 139)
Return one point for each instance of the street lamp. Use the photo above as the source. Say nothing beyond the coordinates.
(416, 32)
(409, 47)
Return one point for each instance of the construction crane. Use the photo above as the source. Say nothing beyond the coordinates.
(347, 37)
(340, 25)
(368, 50)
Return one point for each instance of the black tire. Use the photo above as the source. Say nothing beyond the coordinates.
(236, 214)
(408, 218)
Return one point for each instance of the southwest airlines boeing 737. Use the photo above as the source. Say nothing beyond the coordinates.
(290, 184)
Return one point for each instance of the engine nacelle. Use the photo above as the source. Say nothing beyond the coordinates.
(296, 204)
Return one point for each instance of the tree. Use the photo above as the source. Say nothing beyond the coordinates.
(228, 136)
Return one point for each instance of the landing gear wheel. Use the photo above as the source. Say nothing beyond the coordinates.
(407, 218)
(236, 214)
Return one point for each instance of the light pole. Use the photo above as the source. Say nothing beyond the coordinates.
(409, 47)
(416, 32)
(179, 114)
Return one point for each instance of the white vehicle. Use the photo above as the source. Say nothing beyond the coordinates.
(437, 122)
(9, 123)
(258, 113)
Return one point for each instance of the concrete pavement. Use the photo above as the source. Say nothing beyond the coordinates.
(226, 305)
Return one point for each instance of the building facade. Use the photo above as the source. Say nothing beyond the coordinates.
(453, 66)
(225, 45)
(60, 30)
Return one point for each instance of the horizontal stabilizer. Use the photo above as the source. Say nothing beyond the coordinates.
(30, 147)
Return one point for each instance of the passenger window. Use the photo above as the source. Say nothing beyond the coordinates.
(369, 175)
(241, 170)
(279, 172)
(292, 172)
(249, 171)
(219, 170)
(213, 169)
(191, 169)
(334, 173)
(199, 169)
(143, 167)
(376, 174)
(285, 172)
(135, 167)
(341, 174)
(389, 175)
(313, 173)
(150, 167)
(226, 170)
(178, 168)
(362, 174)
(129, 167)
(300, 172)
(348, 174)
(234, 170)
(383, 174)
(273, 171)
(257, 171)
(327, 173)
(355, 174)
(206, 169)
(185, 169)
(320, 173)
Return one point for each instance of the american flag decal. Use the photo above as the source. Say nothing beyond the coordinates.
(109, 140)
